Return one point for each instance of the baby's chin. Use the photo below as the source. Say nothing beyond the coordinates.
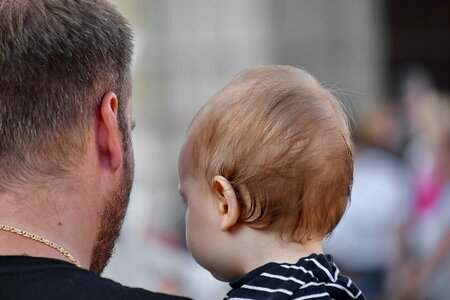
(226, 276)
(220, 277)
(218, 269)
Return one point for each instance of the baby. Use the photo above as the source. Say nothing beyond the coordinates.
(266, 172)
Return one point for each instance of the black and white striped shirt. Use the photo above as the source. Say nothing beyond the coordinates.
(314, 277)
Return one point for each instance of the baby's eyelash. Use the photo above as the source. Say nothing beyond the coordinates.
(184, 201)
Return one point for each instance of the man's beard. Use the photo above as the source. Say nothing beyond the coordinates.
(111, 218)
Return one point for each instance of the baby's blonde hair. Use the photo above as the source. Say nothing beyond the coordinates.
(284, 143)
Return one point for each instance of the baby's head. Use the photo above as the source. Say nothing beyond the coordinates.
(272, 152)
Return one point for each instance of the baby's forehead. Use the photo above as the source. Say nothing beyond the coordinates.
(185, 156)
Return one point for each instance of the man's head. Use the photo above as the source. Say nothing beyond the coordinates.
(279, 143)
(60, 60)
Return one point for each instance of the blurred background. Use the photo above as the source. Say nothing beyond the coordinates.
(389, 58)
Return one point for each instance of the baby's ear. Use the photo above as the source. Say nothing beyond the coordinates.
(228, 204)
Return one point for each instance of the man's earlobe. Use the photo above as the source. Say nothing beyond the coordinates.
(109, 141)
(228, 204)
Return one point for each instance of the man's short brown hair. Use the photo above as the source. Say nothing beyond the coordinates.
(284, 143)
(57, 59)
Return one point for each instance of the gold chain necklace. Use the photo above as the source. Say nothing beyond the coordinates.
(40, 239)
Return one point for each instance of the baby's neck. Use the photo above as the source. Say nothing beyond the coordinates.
(265, 247)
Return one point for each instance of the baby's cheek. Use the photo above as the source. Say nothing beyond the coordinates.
(188, 229)
(194, 240)
(186, 234)
(192, 233)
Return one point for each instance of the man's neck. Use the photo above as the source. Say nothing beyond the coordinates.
(54, 217)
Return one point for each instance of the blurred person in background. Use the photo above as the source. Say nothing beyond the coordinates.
(66, 159)
(425, 248)
(364, 240)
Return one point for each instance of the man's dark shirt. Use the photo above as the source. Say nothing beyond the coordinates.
(23, 277)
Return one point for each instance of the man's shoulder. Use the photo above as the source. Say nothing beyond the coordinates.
(40, 278)
(90, 285)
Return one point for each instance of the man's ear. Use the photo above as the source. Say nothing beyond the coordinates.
(228, 204)
(108, 135)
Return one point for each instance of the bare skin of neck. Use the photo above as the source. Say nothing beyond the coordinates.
(269, 247)
(261, 247)
(63, 213)
(67, 211)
